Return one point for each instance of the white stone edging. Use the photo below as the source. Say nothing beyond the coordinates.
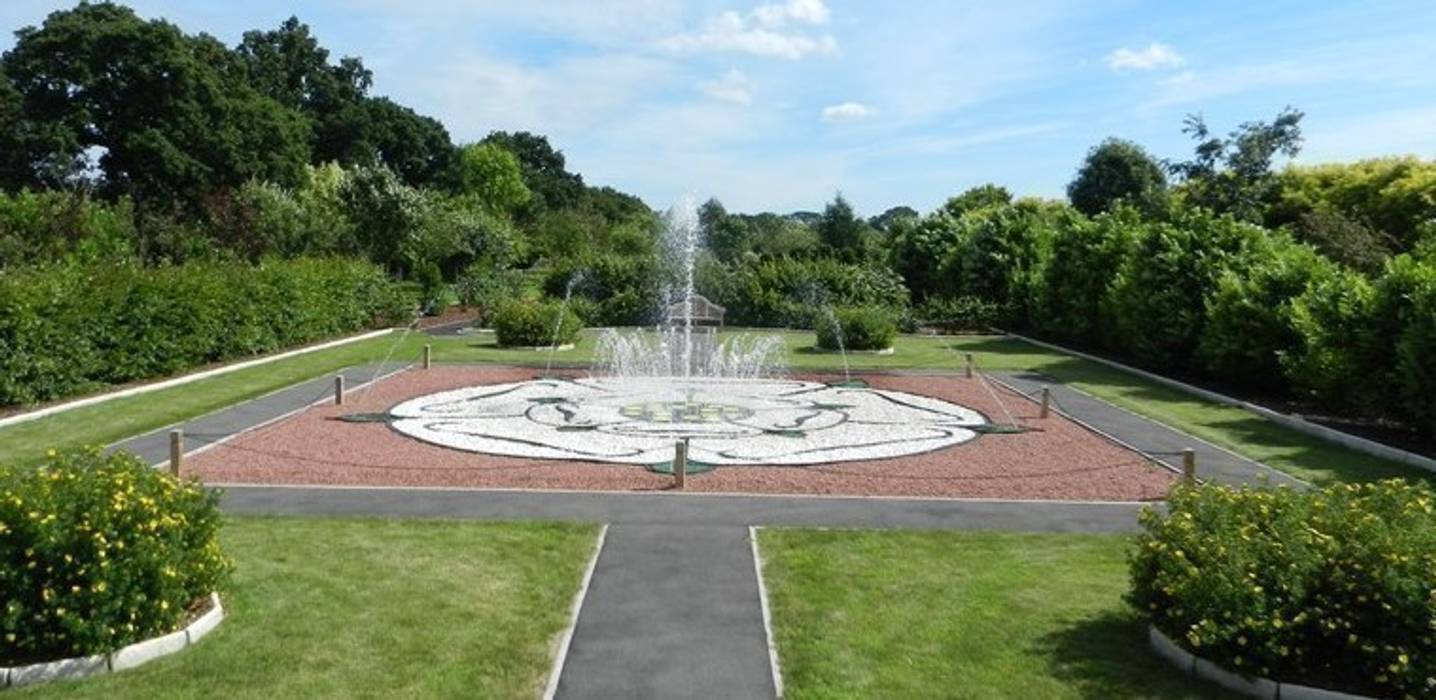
(1255, 687)
(1301, 425)
(773, 665)
(567, 640)
(184, 379)
(127, 657)
(538, 348)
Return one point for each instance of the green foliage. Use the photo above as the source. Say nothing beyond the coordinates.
(856, 328)
(431, 288)
(839, 228)
(492, 176)
(1392, 197)
(1158, 296)
(99, 552)
(1406, 307)
(976, 198)
(786, 292)
(1331, 588)
(1249, 325)
(483, 289)
(535, 324)
(957, 314)
(37, 227)
(997, 254)
(1117, 171)
(553, 187)
(1344, 240)
(1232, 175)
(1070, 300)
(69, 329)
(1338, 359)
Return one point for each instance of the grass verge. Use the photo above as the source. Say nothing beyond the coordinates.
(959, 614)
(373, 609)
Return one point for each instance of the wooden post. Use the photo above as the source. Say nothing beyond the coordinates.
(176, 452)
(1046, 402)
(338, 390)
(1189, 466)
(969, 365)
(680, 463)
(428, 356)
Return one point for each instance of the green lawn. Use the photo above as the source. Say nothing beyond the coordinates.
(861, 614)
(1304, 457)
(373, 609)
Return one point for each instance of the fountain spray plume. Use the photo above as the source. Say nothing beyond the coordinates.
(573, 281)
(682, 237)
(816, 295)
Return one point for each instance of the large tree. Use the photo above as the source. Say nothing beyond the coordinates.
(543, 166)
(839, 227)
(491, 175)
(1117, 170)
(166, 117)
(1233, 174)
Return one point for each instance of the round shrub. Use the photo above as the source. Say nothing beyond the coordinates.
(1334, 588)
(97, 552)
(535, 324)
(861, 328)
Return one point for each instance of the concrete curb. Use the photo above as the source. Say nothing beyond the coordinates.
(185, 379)
(1301, 425)
(773, 663)
(551, 688)
(1254, 687)
(136, 654)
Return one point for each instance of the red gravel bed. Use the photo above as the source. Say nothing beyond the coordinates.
(1059, 460)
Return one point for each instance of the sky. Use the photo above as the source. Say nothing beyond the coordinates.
(778, 105)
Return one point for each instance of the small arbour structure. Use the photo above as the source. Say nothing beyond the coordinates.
(727, 421)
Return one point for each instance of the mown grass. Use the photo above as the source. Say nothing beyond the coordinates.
(1302, 456)
(373, 609)
(959, 614)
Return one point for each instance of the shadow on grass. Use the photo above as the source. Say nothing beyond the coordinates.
(1107, 657)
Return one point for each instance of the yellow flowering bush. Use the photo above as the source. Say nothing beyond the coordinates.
(1333, 588)
(97, 552)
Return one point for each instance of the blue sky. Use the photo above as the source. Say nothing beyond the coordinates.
(776, 105)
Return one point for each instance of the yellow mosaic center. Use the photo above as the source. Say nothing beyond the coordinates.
(684, 412)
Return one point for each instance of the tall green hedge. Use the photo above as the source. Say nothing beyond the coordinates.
(787, 292)
(68, 329)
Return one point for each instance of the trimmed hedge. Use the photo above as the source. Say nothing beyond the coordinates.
(535, 324)
(99, 552)
(861, 328)
(1334, 588)
(69, 329)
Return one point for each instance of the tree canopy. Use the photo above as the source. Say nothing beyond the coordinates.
(1114, 171)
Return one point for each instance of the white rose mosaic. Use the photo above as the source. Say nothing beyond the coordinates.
(728, 422)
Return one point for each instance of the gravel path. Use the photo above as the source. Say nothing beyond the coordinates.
(1059, 460)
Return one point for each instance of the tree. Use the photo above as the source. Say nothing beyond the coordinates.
(839, 228)
(1233, 175)
(417, 148)
(884, 221)
(727, 236)
(975, 198)
(1117, 170)
(543, 167)
(492, 177)
(170, 116)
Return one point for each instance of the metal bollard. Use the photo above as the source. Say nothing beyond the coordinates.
(428, 356)
(176, 452)
(1189, 466)
(969, 365)
(1046, 402)
(680, 462)
(338, 390)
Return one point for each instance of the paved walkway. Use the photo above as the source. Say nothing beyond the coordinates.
(1213, 463)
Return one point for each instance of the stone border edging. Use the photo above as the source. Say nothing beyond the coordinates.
(185, 379)
(575, 608)
(121, 659)
(1256, 687)
(1301, 425)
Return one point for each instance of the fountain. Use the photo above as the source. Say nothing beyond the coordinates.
(727, 398)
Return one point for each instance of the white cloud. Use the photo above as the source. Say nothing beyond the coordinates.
(760, 32)
(1156, 55)
(847, 112)
(732, 87)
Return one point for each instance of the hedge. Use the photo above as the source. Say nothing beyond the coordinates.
(69, 329)
(97, 552)
(1334, 588)
(786, 292)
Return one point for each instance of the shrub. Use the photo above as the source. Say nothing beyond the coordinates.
(99, 552)
(966, 313)
(483, 289)
(1406, 308)
(860, 328)
(1249, 325)
(1339, 358)
(785, 292)
(72, 328)
(1330, 588)
(535, 324)
(1075, 283)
